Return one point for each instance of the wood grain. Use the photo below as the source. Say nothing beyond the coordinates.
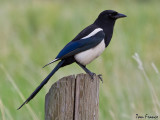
(73, 98)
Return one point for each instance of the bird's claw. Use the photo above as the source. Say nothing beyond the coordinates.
(100, 77)
(92, 76)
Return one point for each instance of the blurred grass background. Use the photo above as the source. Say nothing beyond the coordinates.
(33, 32)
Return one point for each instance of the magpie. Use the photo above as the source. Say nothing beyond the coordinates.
(85, 47)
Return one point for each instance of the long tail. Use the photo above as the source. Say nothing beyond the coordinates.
(43, 83)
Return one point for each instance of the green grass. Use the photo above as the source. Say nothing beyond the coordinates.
(32, 33)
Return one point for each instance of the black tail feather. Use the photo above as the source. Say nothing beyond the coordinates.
(43, 83)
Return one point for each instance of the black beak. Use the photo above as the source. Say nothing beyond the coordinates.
(119, 15)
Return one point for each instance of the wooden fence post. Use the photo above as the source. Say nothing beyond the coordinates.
(73, 98)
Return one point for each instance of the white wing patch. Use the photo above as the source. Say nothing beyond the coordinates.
(93, 33)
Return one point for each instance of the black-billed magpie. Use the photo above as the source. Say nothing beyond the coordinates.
(85, 47)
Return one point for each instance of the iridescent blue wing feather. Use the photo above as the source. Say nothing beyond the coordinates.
(75, 47)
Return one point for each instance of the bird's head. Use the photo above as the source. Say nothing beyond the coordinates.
(109, 16)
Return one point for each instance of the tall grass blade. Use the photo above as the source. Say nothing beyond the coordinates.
(33, 114)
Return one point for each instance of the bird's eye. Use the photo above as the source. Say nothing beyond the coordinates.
(114, 13)
(110, 14)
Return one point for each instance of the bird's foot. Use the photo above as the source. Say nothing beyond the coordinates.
(92, 76)
(99, 76)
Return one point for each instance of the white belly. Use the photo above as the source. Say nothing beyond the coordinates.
(88, 56)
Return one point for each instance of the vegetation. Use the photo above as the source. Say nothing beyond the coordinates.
(33, 32)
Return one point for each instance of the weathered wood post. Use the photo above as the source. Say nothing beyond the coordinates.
(73, 98)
